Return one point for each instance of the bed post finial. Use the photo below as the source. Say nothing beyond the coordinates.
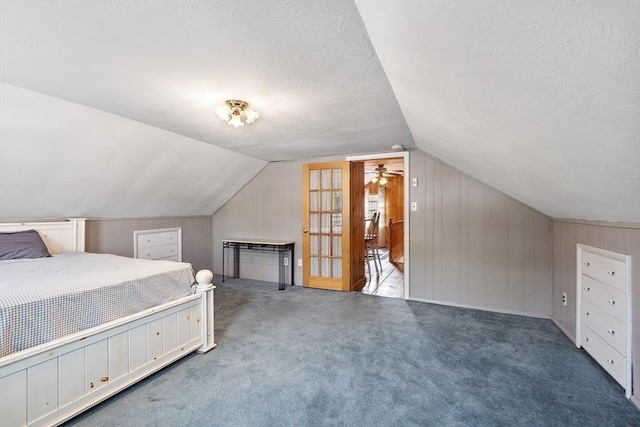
(205, 288)
(78, 233)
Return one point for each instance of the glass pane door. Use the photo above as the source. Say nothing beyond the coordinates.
(325, 210)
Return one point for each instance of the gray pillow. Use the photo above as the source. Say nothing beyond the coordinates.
(22, 244)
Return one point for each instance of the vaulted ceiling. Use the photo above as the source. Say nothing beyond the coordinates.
(107, 107)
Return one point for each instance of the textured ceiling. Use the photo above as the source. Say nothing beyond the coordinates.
(539, 99)
(59, 159)
(308, 67)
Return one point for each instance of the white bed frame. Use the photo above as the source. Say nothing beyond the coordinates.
(50, 383)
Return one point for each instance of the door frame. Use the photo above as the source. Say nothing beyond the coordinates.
(407, 236)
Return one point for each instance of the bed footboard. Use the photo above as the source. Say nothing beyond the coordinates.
(50, 383)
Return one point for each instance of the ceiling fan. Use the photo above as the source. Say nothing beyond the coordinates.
(381, 174)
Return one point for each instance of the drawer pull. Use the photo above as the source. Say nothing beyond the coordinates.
(587, 264)
(611, 273)
(586, 338)
(148, 254)
(171, 238)
(586, 313)
(610, 361)
(612, 302)
(171, 251)
(586, 288)
(148, 240)
(610, 332)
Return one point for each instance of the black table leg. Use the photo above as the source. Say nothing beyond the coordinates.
(281, 259)
(292, 269)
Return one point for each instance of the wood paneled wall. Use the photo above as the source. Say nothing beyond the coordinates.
(268, 207)
(472, 245)
(622, 238)
(115, 236)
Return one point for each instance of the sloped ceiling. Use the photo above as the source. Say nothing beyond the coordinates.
(59, 159)
(308, 67)
(540, 99)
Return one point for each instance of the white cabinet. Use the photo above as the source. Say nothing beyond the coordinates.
(603, 323)
(164, 243)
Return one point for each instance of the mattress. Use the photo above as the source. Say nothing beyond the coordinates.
(48, 298)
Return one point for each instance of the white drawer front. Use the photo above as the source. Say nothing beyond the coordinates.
(609, 299)
(157, 239)
(159, 252)
(608, 328)
(604, 269)
(612, 361)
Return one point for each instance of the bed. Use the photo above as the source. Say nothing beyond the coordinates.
(67, 347)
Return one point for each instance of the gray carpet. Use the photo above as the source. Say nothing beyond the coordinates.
(305, 357)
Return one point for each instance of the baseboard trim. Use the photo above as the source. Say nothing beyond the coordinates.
(563, 329)
(475, 307)
(635, 400)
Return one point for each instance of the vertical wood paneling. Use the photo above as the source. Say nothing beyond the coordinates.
(496, 247)
(460, 238)
(476, 244)
(428, 233)
(115, 236)
(515, 255)
(417, 220)
(542, 257)
(626, 240)
(357, 280)
(451, 260)
(529, 247)
(437, 232)
(473, 245)
(464, 239)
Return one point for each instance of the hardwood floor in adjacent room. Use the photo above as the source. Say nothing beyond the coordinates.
(390, 282)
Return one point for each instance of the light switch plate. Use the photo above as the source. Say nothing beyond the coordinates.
(414, 206)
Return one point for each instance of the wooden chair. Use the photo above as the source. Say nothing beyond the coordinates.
(370, 247)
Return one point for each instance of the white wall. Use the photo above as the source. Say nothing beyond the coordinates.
(268, 207)
(60, 159)
(472, 245)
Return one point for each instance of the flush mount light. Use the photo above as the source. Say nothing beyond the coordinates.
(237, 113)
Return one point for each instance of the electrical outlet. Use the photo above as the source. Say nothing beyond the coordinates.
(286, 261)
(414, 206)
(564, 298)
(300, 262)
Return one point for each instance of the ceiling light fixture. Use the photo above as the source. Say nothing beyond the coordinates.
(237, 113)
(380, 179)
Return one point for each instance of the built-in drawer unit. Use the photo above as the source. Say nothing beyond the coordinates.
(612, 361)
(165, 244)
(604, 310)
